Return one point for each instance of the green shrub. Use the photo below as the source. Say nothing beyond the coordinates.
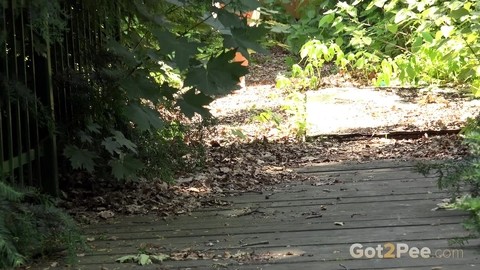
(403, 42)
(462, 178)
(31, 226)
(169, 150)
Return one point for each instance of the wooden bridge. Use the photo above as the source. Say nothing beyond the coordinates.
(310, 225)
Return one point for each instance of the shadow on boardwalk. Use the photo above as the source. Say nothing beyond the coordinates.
(302, 226)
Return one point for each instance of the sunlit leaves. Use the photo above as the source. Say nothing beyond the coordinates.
(404, 14)
(427, 37)
(475, 88)
(326, 19)
(393, 28)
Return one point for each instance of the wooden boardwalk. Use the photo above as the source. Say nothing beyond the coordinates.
(301, 226)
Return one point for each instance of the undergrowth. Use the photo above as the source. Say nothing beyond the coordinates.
(31, 226)
(462, 178)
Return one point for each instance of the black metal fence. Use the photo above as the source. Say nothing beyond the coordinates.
(37, 75)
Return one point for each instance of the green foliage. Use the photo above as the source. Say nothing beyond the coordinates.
(30, 225)
(391, 42)
(113, 150)
(170, 150)
(290, 119)
(307, 74)
(159, 54)
(462, 179)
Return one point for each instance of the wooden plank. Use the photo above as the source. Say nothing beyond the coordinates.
(399, 205)
(355, 166)
(370, 175)
(312, 193)
(231, 225)
(369, 265)
(325, 236)
(307, 255)
(333, 213)
(373, 212)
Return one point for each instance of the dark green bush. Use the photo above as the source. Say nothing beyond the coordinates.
(169, 150)
(31, 226)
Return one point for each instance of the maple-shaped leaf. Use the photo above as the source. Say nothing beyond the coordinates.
(124, 167)
(228, 19)
(127, 258)
(80, 158)
(93, 127)
(144, 259)
(143, 117)
(246, 38)
(180, 48)
(121, 140)
(192, 103)
(140, 85)
(220, 77)
(167, 91)
(115, 143)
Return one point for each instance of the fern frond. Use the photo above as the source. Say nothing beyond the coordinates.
(9, 255)
(8, 193)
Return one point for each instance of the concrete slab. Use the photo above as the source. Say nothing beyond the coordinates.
(342, 110)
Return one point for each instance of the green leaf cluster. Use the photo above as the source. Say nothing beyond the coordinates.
(31, 225)
(174, 56)
(462, 178)
(396, 42)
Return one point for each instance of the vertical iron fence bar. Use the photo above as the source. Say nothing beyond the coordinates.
(66, 39)
(4, 49)
(58, 98)
(18, 102)
(36, 126)
(9, 105)
(91, 47)
(73, 56)
(86, 48)
(63, 85)
(26, 102)
(78, 33)
(52, 186)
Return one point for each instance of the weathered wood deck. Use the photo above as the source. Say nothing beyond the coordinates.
(300, 226)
